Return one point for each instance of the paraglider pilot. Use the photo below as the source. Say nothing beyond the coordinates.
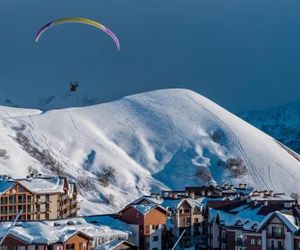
(73, 86)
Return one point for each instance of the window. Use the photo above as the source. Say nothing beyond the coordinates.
(3, 200)
(196, 220)
(252, 242)
(186, 211)
(147, 230)
(70, 246)
(82, 246)
(12, 199)
(188, 221)
(47, 197)
(59, 247)
(19, 248)
(38, 208)
(3, 247)
(155, 238)
(154, 227)
(21, 198)
(47, 216)
(259, 242)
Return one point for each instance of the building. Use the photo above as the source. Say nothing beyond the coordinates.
(149, 224)
(186, 217)
(98, 230)
(38, 198)
(264, 220)
(73, 240)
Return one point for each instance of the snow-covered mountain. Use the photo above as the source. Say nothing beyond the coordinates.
(283, 123)
(55, 101)
(165, 139)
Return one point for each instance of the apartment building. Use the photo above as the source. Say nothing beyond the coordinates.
(187, 219)
(149, 224)
(265, 220)
(38, 197)
(63, 241)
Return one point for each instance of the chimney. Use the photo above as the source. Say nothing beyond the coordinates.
(241, 185)
(271, 193)
(192, 194)
(245, 185)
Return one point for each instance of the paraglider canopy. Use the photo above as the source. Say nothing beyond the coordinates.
(77, 20)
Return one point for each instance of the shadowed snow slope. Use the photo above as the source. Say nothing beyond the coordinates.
(156, 140)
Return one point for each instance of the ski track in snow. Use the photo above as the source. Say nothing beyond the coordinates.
(139, 136)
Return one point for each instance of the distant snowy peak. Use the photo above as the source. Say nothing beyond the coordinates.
(282, 123)
(56, 101)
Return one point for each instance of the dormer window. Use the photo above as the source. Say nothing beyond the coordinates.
(238, 223)
(254, 227)
(288, 204)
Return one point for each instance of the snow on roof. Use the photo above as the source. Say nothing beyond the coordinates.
(143, 209)
(38, 185)
(110, 245)
(171, 203)
(287, 219)
(49, 232)
(106, 220)
(274, 197)
(175, 203)
(245, 191)
(149, 199)
(6, 185)
(246, 215)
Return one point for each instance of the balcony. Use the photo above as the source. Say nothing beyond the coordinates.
(241, 243)
(276, 235)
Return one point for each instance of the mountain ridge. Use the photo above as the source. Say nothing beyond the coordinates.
(151, 140)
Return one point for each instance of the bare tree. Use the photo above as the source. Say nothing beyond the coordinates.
(107, 176)
(4, 154)
(203, 173)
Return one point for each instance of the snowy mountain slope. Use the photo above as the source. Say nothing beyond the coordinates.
(282, 123)
(155, 140)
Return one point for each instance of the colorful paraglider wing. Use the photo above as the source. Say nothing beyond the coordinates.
(77, 20)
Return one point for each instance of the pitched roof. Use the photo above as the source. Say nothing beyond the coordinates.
(37, 232)
(287, 219)
(53, 184)
(6, 185)
(113, 244)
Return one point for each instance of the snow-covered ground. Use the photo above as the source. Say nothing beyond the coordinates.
(164, 139)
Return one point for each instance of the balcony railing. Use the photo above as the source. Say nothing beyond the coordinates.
(241, 243)
(276, 235)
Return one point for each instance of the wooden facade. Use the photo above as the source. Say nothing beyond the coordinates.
(37, 206)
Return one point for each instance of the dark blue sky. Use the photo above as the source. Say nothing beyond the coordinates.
(241, 54)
